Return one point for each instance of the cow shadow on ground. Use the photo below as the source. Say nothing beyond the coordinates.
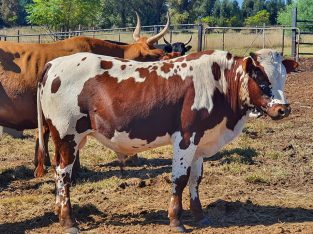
(150, 168)
(222, 214)
(18, 173)
(143, 169)
(83, 214)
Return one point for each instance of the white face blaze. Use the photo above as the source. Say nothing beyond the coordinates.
(271, 60)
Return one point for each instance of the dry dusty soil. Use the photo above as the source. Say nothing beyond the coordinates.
(261, 183)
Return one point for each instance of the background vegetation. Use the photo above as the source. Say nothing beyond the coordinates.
(69, 14)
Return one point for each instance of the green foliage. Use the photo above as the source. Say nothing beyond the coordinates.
(65, 14)
(261, 17)
(305, 12)
(68, 14)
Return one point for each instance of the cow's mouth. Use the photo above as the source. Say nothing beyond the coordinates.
(277, 111)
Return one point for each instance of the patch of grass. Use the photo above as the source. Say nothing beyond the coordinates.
(235, 168)
(257, 178)
(275, 155)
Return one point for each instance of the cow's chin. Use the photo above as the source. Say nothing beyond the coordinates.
(278, 111)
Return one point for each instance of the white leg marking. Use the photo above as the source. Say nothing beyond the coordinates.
(182, 157)
(195, 174)
(60, 175)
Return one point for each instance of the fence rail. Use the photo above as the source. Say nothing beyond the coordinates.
(202, 37)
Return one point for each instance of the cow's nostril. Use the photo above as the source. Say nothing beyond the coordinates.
(281, 112)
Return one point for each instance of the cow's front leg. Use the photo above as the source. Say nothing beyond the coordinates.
(194, 182)
(184, 151)
(63, 173)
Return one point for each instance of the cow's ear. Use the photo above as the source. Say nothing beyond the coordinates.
(188, 48)
(290, 65)
(248, 65)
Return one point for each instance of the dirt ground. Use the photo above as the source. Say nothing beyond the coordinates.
(260, 183)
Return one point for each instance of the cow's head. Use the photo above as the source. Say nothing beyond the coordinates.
(142, 49)
(181, 47)
(267, 71)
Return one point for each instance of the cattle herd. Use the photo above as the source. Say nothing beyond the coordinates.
(135, 97)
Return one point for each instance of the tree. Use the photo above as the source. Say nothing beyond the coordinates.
(305, 12)
(262, 17)
(67, 14)
(182, 11)
(10, 10)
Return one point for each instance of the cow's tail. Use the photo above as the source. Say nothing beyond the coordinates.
(40, 119)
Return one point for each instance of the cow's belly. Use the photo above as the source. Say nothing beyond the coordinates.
(122, 143)
(214, 139)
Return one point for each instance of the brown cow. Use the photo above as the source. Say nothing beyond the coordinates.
(197, 103)
(21, 65)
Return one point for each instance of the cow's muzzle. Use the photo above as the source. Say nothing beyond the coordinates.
(278, 111)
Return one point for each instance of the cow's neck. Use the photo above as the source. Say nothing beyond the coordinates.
(98, 46)
(226, 89)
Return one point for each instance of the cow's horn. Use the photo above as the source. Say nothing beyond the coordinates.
(157, 37)
(166, 42)
(186, 43)
(136, 34)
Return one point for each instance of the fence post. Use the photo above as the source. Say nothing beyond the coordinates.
(263, 35)
(18, 36)
(223, 39)
(294, 34)
(200, 37)
(283, 42)
(155, 31)
(39, 40)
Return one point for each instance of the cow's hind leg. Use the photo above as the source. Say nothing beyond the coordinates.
(194, 182)
(183, 155)
(67, 149)
(42, 157)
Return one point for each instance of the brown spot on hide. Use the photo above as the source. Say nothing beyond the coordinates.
(181, 182)
(83, 124)
(216, 70)
(78, 64)
(166, 68)
(106, 65)
(56, 83)
(45, 73)
(190, 68)
(84, 58)
(123, 67)
(195, 56)
(184, 65)
(229, 56)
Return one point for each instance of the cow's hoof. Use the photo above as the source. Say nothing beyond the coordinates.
(204, 222)
(72, 230)
(179, 229)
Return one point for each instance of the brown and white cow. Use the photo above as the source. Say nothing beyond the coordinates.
(21, 66)
(198, 103)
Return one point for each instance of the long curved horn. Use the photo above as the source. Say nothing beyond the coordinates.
(186, 43)
(157, 37)
(136, 34)
(166, 42)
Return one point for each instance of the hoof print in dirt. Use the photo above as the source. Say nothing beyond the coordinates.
(133, 183)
